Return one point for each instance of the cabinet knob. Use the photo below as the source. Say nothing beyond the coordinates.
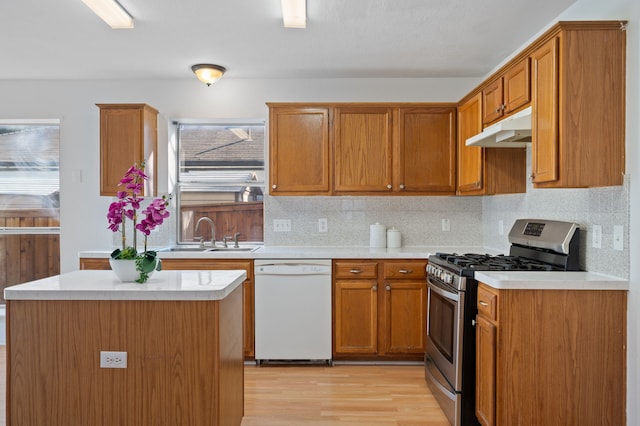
(401, 186)
(498, 109)
(388, 287)
(274, 186)
(355, 271)
(405, 271)
(389, 186)
(374, 288)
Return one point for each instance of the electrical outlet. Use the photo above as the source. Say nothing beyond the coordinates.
(109, 359)
(322, 225)
(281, 225)
(618, 237)
(446, 225)
(500, 227)
(596, 241)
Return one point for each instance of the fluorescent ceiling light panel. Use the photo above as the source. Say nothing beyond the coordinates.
(111, 12)
(294, 13)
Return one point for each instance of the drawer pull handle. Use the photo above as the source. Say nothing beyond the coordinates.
(483, 303)
(355, 271)
(405, 271)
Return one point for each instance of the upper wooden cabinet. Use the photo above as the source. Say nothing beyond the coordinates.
(128, 134)
(507, 93)
(358, 149)
(426, 150)
(486, 171)
(578, 106)
(363, 141)
(299, 150)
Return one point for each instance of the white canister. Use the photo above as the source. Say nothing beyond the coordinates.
(377, 235)
(394, 238)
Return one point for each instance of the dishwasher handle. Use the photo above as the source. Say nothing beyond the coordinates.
(292, 269)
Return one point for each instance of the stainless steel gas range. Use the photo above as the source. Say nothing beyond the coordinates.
(536, 245)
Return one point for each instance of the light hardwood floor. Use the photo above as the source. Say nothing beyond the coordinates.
(349, 395)
(353, 395)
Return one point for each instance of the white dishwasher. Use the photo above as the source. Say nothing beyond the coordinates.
(292, 310)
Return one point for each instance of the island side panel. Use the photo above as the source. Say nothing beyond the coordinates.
(173, 372)
(230, 383)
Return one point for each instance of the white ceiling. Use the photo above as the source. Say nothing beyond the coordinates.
(63, 39)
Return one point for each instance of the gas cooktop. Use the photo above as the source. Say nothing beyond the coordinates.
(487, 262)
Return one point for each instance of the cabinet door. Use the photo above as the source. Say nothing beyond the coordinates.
(426, 150)
(355, 317)
(299, 150)
(470, 158)
(492, 106)
(517, 86)
(128, 134)
(363, 149)
(485, 371)
(405, 317)
(544, 119)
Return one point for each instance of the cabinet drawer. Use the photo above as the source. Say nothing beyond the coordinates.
(487, 302)
(346, 270)
(405, 270)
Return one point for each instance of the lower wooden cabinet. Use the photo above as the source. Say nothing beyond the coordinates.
(547, 357)
(379, 309)
(210, 264)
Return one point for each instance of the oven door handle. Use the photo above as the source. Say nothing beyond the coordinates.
(444, 293)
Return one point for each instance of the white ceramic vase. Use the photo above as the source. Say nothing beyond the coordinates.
(125, 269)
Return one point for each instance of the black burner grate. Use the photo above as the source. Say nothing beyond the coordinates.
(487, 262)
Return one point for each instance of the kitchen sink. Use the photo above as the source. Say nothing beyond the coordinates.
(247, 249)
(205, 249)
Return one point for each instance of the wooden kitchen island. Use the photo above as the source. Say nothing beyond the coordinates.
(181, 330)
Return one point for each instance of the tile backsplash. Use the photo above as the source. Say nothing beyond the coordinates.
(419, 219)
(606, 207)
(474, 221)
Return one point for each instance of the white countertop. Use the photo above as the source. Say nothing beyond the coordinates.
(539, 280)
(311, 252)
(104, 285)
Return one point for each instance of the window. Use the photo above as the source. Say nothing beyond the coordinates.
(220, 175)
(29, 166)
(29, 200)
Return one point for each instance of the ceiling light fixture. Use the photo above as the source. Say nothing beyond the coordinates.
(208, 73)
(294, 13)
(111, 12)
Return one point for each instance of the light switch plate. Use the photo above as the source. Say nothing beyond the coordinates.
(618, 237)
(281, 225)
(596, 241)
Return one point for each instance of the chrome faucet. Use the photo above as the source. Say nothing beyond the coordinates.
(213, 231)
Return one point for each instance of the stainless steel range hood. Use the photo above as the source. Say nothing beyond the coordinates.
(512, 132)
